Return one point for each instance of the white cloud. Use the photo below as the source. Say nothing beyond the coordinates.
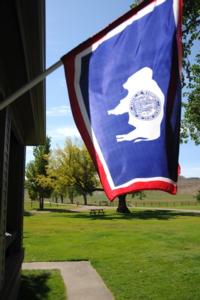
(63, 132)
(58, 111)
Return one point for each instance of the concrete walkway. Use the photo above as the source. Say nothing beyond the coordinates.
(81, 280)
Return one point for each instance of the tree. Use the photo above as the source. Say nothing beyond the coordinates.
(191, 33)
(191, 73)
(36, 173)
(56, 176)
(192, 107)
(77, 170)
(198, 196)
(122, 205)
(139, 194)
(30, 182)
(86, 181)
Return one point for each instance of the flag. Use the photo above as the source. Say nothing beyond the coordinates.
(125, 95)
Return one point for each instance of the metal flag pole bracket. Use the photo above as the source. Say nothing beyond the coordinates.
(29, 85)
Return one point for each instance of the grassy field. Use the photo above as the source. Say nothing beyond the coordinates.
(41, 285)
(148, 254)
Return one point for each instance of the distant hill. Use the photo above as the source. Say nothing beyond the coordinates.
(188, 185)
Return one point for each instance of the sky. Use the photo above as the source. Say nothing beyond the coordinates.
(69, 23)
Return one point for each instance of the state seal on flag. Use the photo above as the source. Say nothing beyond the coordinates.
(145, 105)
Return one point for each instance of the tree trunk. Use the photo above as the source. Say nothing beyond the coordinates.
(85, 199)
(71, 198)
(41, 201)
(61, 198)
(122, 207)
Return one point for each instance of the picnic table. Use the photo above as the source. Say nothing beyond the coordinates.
(96, 211)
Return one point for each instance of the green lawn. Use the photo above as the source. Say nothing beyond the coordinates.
(41, 285)
(146, 255)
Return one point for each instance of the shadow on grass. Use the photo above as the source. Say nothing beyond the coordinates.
(34, 286)
(28, 213)
(55, 210)
(144, 215)
(46, 210)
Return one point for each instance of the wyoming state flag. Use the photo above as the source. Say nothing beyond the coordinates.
(125, 94)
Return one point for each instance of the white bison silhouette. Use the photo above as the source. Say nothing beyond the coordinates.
(144, 104)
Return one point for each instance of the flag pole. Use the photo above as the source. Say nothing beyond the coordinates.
(29, 85)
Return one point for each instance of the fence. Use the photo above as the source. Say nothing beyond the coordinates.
(164, 203)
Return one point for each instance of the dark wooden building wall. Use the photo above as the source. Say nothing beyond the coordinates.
(4, 163)
(22, 57)
(12, 160)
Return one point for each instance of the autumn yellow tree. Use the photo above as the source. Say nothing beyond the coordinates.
(72, 171)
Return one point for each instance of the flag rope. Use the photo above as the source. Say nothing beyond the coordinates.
(29, 85)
